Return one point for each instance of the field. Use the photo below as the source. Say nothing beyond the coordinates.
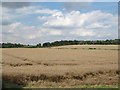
(63, 66)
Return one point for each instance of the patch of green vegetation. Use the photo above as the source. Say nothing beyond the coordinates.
(8, 85)
(80, 86)
(12, 86)
(96, 86)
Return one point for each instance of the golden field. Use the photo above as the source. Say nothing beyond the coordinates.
(63, 66)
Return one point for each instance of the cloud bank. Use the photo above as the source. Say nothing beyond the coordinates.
(55, 24)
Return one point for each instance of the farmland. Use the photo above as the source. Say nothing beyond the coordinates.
(62, 66)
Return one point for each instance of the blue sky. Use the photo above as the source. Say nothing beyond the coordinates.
(104, 6)
(38, 22)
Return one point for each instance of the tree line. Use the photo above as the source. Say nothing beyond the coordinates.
(61, 43)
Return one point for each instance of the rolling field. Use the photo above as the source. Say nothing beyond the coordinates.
(63, 66)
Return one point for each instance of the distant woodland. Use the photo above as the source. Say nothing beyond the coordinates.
(62, 43)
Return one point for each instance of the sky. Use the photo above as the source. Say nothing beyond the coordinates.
(39, 22)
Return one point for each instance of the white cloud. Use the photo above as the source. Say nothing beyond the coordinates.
(58, 25)
(19, 31)
(55, 32)
(35, 10)
(5, 14)
(77, 19)
(98, 26)
(26, 10)
(46, 11)
(83, 32)
(58, 19)
(82, 24)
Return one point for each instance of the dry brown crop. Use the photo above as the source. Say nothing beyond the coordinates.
(65, 66)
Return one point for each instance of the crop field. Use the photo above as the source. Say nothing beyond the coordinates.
(62, 66)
